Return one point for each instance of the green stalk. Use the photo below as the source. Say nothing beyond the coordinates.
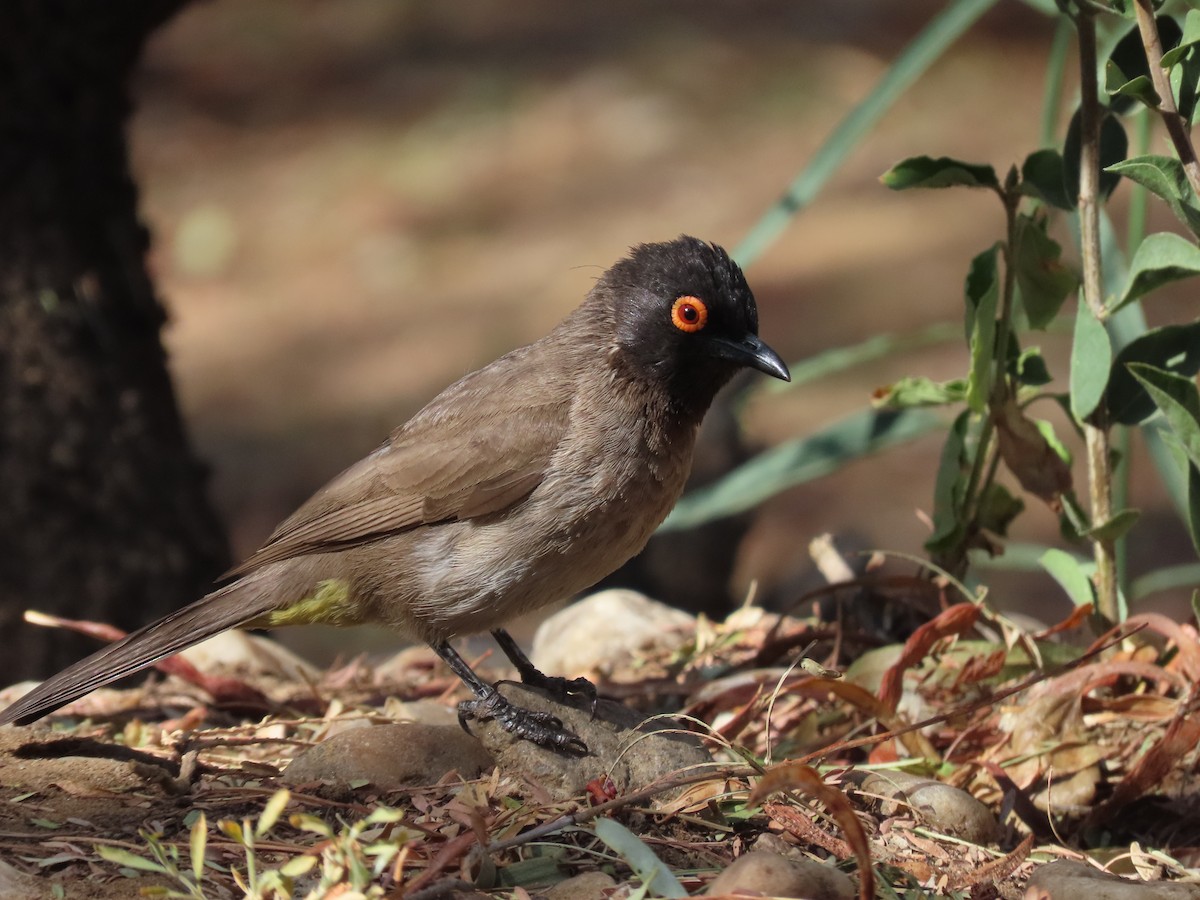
(942, 31)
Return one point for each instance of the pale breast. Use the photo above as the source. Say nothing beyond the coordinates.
(608, 487)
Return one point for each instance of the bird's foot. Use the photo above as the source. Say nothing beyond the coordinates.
(527, 724)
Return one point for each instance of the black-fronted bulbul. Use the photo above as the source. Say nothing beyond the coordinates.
(521, 484)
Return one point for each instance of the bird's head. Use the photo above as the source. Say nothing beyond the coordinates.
(685, 319)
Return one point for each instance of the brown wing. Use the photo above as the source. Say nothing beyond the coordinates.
(480, 447)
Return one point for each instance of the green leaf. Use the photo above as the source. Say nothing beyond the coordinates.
(1140, 88)
(878, 346)
(1043, 279)
(198, 843)
(1043, 175)
(1190, 511)
(1126, 73)
(982, 297)
(1091, 363)
(1165, 177)
(917, 391)
(998, 508)
(1071, 575)
(1178, 400)
(1160, 259)
(1175, 348)
(271, 812)
(796, 462)
(122, 857)
(1114, 527)
(927, 172)
(949, 487)
(1029, 367)
(1189, 38)
(649, 868)
(1114, 145)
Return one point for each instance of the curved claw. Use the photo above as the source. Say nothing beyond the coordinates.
(527, 724)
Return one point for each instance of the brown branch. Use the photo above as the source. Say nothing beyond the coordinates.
(1177, 128)
(1095, 431)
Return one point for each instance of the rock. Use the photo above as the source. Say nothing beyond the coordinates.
(586, 886)
(249, 655)
(617, 746)
(1067, 879)
(771, 875)
(942, 807)
(390, 757)
(602, 632)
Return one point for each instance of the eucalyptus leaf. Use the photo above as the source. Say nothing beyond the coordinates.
(1174, 348)
(927, 172)
(1091, 362)
(950, 488)
(649, 868)
(1114, 527)
(1119, 85)
(982, 290)
(917, 391)
(1128, 59)
(1042, 277)
(1189, 38)
(799, 461)
(1165, 177)
(1043, 175)
(1160, 259)
(1178, 400)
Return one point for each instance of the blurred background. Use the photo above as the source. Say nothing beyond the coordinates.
(355, 203)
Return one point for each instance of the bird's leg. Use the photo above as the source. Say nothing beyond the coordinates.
(534, 677)
(541, 728)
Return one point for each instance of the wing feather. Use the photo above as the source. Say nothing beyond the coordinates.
(474, 451)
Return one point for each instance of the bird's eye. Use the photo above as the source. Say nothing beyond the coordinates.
(689, 314)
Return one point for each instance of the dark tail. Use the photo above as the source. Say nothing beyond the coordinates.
(236, 604)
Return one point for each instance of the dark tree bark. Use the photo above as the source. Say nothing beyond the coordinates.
(103, 511)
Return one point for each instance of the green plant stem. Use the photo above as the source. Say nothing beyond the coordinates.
(1177, 128)
(1096, 434)
(942, 31)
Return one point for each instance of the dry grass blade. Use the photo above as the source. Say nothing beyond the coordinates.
(953, 621)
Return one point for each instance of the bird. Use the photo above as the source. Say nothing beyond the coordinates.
(521, 484)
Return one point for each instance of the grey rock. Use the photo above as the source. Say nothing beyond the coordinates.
(602, 632)
(390, 757)
(1067, 879)
(767, 873)
(942, 807)
(631, 752)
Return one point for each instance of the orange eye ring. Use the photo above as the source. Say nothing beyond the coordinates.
(689, 314)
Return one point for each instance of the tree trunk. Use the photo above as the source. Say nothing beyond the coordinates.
(103, 513)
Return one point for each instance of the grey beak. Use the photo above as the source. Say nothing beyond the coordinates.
(752, 353)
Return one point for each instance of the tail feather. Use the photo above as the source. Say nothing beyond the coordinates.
(219, 611)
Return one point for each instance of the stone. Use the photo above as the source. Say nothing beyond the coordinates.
(772, 875)
(622, 746)
(390, 757)
(605, 631)
(1068, 879)
(939, 806)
